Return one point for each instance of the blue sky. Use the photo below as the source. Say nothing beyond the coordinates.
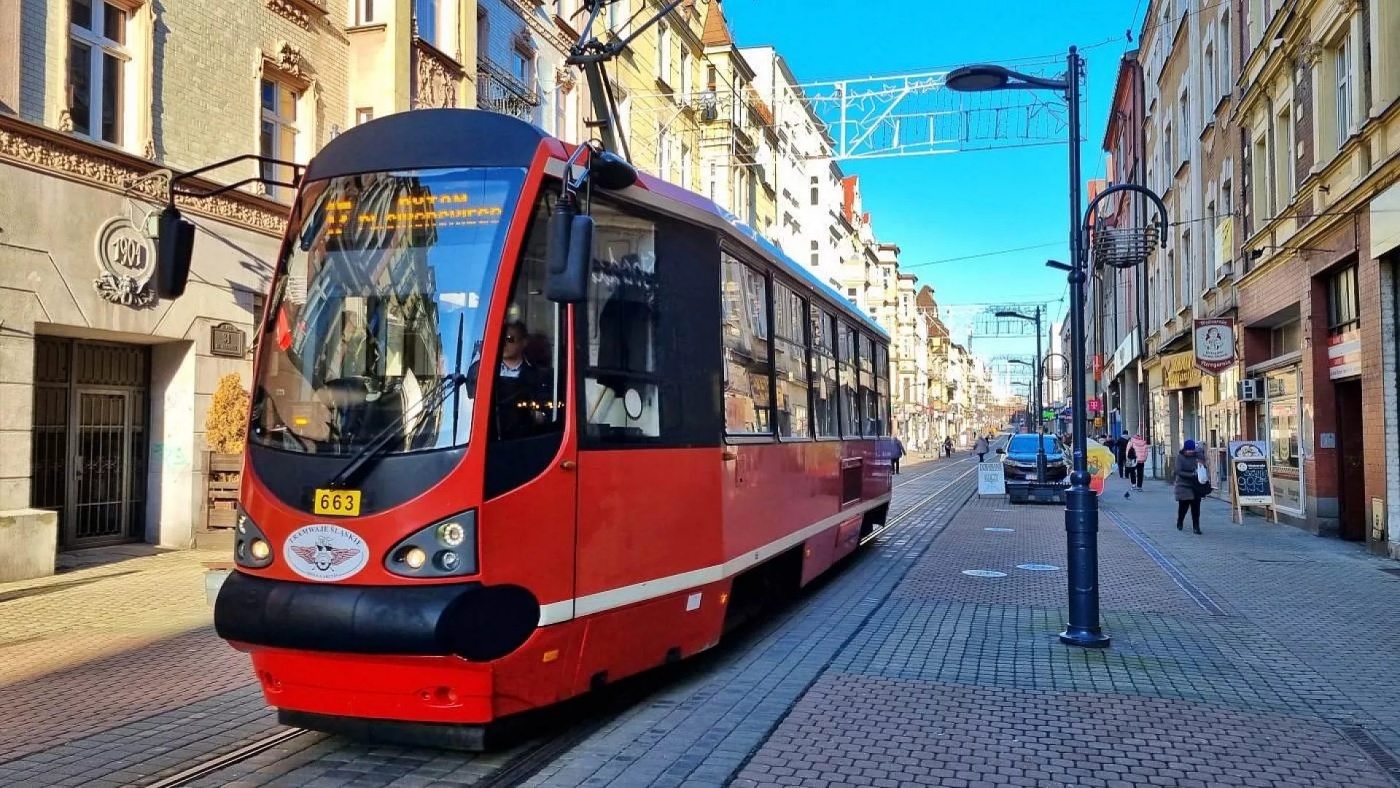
(938, 207)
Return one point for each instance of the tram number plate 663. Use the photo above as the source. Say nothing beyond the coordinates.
(345, 503)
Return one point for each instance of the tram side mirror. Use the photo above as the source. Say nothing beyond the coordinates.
(568, 255)
(174, 250)
(610, 171)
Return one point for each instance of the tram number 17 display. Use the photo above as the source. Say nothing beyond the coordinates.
(342, 503)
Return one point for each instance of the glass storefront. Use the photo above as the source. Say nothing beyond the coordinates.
(1283, 428)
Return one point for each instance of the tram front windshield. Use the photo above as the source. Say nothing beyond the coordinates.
(378, 302)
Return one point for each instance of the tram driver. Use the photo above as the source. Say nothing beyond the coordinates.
(521, 396)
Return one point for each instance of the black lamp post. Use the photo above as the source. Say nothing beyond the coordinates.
(1125, 251)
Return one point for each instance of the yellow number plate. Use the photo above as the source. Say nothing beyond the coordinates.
(341, 503)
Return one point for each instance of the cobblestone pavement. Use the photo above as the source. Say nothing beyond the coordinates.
(705, 719)
(1215, 675)
(102, 646)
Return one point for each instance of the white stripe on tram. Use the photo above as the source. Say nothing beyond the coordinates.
(558, 612)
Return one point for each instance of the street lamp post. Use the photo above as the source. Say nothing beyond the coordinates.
(1037, 370)
(1081, 504)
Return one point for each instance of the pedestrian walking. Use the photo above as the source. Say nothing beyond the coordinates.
(1136, 458)
(948, 446)
(1189, 488)
(981, 448)
(898, 453)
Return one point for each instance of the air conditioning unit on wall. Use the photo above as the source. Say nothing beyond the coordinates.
(1251, 390)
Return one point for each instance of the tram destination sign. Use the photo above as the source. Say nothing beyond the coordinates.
(1249, 467)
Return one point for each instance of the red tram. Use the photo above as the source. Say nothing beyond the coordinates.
(526, 422)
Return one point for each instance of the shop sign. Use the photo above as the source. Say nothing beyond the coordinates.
(1214, 344)
(1249, 469)
(1126, 352)
(1344, 355)
(1179, 371)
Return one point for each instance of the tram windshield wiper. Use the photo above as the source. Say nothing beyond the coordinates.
(426, 406)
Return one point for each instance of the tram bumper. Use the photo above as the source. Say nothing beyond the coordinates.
(473, 621)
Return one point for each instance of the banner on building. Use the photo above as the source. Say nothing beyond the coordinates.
(1214, 341)
(1344, 355)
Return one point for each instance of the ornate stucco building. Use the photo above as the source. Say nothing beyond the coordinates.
(105, 386)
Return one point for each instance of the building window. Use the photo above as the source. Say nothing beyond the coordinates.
(1259, 191)
(1208, 79)
(816, 254)
(686, 82)
(277, 137)
(364, 115)
(1167, 152)
(1183, 107)
(1227, 67)
(663, 151)
(748, 371)
(425, 20)
(483, 34)
(687, 168)
(1343, 301)
(816, 195)
(663, 53)
(523, 67)
(97, 61)
(363, 12)
(1342, 68)
(1283, 156)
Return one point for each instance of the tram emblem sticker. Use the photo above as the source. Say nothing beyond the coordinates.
(325, 552)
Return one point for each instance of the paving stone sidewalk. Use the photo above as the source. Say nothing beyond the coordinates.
(1252, 654)
(102, 645)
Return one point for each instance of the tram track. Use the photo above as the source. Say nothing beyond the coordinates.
(534, 755)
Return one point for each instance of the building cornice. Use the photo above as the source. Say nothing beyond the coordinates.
(66, 156)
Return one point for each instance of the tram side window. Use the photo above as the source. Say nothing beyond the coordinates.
(790, 355)
(846, 365)
(868, 405)
(748, 375)
(622, 391)
(530, 379)
(882, 389)
(825, 402)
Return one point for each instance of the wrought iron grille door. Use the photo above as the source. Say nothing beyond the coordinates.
(89, 460)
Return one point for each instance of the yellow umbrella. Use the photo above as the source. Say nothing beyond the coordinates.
(1101, 463)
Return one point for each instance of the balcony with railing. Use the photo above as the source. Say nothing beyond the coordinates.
(437, 77)
(500, 91)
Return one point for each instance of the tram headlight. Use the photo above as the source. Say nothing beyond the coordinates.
(451, 543)
(250, 547)
(451, 534)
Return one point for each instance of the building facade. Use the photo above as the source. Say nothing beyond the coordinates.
(106, 386)
(1321, 127)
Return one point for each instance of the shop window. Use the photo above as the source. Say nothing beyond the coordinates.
(825, 402)
(748, 371)
(790, 361)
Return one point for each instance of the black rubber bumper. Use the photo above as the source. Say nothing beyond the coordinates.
(470, 620)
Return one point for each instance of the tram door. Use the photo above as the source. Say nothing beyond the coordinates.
(89, 453)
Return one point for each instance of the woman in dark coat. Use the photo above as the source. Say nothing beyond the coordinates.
(1185, 489)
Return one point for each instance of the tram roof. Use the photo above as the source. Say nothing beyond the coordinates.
(433, 138)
